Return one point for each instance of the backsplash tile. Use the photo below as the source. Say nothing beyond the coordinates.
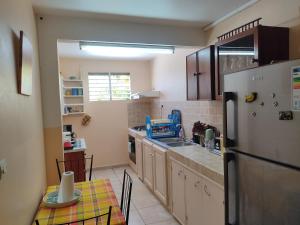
(209, 112)
(137, 112)
(192, 111)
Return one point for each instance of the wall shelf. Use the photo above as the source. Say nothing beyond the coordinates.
(72, 97)
(65, 80)
(73, 87)
(74, 114)
(74, 104)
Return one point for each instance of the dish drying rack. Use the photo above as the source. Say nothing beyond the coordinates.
(163, 128)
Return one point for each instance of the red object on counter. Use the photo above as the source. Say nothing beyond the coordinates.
(68, 145)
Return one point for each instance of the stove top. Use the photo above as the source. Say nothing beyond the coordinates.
(140, 128)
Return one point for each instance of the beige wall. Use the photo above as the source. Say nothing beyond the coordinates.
(21, 126)
(106, 135)
(52, 28)
(273, 12)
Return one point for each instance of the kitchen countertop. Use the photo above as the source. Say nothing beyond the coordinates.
(80, 146)
(134, 132)
(193, 156)
(200, 160)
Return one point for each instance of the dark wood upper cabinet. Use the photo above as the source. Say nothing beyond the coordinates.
(200, 72)
(257, 46)
(191, 76)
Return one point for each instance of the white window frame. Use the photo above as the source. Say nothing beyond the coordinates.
(109, 74)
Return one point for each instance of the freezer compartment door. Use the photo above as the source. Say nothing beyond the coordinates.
(260, 192)
(255, 101)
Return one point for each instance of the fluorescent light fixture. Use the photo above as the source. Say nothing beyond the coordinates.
(236, 53)
(124, 49)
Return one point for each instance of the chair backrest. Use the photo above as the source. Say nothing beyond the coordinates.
(126, 195)
(97, 219)
(78, 166)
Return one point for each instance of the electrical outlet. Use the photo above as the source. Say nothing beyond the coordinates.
(3, 167)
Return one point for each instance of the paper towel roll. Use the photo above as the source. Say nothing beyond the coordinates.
(66, 187)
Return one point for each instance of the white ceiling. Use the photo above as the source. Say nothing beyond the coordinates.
(70, 49)
(176, 12)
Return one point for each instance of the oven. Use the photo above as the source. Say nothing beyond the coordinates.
(131, 148)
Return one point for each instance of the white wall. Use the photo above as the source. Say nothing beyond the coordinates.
(107, 133)
(21, 125)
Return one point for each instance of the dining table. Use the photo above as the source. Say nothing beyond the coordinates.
(96, 198)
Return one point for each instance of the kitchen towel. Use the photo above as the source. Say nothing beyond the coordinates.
(66, 187)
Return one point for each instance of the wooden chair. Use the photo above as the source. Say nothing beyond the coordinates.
(96, 218)
(78, 166)
(126, 195)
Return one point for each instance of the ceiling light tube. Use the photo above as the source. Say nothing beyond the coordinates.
(236, 53)
(108, 48)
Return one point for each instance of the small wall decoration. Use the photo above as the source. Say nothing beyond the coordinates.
(25, 66)
(86, 120)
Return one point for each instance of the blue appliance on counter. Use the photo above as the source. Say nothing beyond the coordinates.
(164, 128)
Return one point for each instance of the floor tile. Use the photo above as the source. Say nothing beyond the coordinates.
(154, 214)
(135, 218)
(168, 222)
(145, 209)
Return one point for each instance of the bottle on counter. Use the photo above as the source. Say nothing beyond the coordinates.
(209, 139)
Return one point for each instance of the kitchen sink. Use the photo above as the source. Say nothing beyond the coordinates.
(180, 144)
(169, 140)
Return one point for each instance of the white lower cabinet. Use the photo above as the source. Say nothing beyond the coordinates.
(195, 199)
(160, 174)
(148, 163)
(139, 157)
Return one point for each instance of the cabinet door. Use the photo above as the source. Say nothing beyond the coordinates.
(75, 162)
(148, 164)
(193, 199)
(206, 73)
(139, 157)
(191, 77)
(213, 200)
(177, 188)
(160, 178)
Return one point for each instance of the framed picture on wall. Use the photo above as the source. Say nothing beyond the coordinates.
(25, 66)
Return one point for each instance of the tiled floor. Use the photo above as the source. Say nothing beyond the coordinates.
(145, 208)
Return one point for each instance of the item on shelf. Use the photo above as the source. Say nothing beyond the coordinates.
(80, 91)
(74, 91)
(73, 77)
(68, 92)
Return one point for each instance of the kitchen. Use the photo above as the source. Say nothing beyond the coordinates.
(200, 131)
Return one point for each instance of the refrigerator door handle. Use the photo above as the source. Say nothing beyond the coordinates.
(228, 157)
(227, 96)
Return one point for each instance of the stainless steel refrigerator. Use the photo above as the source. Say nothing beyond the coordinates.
(262, 140)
